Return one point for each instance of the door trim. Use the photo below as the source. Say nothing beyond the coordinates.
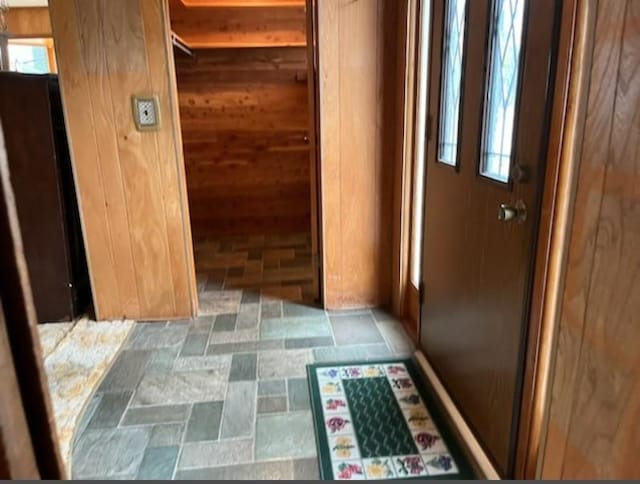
(313, 83)
(567, 110)
(469, 440)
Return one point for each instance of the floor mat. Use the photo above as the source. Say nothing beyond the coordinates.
(377, 421)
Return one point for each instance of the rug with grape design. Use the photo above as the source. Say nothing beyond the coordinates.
(376, 420)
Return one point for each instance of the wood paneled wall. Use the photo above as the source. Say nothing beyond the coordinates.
(221, 26)
(29, 22)
(245, 122)
(357, 63)
(130, 184)
(595, 396)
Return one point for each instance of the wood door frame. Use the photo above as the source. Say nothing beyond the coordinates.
(313, 84)
(404, 295)
(568, 106)
(551, 235)
(315, 226)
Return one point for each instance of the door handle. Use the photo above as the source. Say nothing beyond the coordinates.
(517, 212)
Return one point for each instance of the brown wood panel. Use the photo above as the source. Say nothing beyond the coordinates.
(22, 333)
(595, 400)
(356, 163)
(239, 26)
(17, 458)
(551, 236)
(403, 180)
(243, 3)
(29, 22)
(129, 183)
(245, 123)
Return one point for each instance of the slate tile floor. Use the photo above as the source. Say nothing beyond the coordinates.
(273, 265)
(225, 396)
(191, 399)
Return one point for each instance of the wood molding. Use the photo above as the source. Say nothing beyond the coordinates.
(314, 150)
(567, 126)
(405, 132)
(473, 446)
(550, 224)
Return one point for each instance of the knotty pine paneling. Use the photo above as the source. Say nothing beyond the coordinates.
(28, 22)
(130, 184)
(357, 45)
(595, 394)
(245, 118)
(269, 24)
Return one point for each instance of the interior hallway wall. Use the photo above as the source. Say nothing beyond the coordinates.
(245, 125)
(595, 393)
(130, 184)
(359, 89)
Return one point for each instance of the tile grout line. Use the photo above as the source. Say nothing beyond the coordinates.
(181, 448)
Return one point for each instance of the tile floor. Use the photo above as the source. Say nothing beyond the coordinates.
(223, 396)
(76, 357)
(273, 265)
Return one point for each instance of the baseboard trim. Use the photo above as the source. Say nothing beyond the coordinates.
(478, 454)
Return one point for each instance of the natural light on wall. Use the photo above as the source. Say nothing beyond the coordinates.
(420, 145)
(28, 58)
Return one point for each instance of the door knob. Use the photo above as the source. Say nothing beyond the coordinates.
(517, 212)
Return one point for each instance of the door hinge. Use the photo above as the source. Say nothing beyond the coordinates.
(421, 293)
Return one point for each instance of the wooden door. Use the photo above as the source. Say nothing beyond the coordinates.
(488, 103)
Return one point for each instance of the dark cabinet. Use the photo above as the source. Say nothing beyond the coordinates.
(41, 175)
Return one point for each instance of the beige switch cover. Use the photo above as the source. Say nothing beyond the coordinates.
(145, 112)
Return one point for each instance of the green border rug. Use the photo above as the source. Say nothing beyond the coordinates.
(376, 420)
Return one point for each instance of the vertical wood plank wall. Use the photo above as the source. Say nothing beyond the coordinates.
(595, 395)
(240, 24)
(29, 22)
(245, 122)
(130, 184)
(357, 78)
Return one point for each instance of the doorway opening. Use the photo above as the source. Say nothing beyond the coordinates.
(245, 91)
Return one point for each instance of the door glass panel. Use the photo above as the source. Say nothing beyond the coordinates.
(502, 88)
(453, 43)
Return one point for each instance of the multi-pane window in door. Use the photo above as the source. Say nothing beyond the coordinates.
(502, 88)
(452, 55)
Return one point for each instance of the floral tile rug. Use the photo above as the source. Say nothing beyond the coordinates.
(376, 420)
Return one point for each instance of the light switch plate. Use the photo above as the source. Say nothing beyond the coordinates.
(146, 113)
